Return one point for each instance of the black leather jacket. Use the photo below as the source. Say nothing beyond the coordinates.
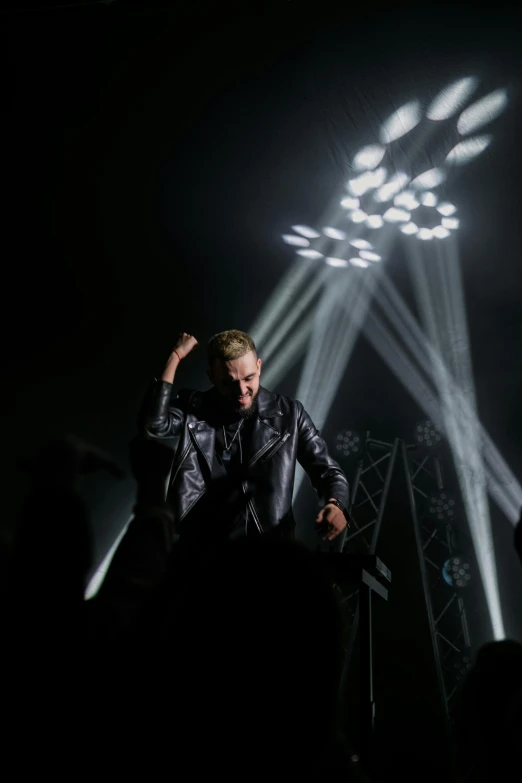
(282, 434)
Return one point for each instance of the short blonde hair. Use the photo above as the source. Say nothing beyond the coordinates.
(229, 345)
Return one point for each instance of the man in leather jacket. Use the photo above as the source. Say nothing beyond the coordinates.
(233, 472)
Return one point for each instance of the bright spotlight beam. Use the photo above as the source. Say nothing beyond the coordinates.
(468, 150)
(293, 348)
(465, 446)
(395, 215)
(421, 387)
(292, 239)
(429, 179)
(452, 98)
(335, 334)
(401, 122)
(482, 112)
(369, 180)
(282, 299)
(369, 157)
(306, 231)
(283, 329)
(401, 365)
(324, 334)
(502, 484)
(374, 221)
(395, 184)
(99, 575)
(323, 341)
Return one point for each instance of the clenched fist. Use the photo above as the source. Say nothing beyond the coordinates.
(185, 344)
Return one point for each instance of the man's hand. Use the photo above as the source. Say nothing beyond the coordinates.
(331, 521)
(185, 344)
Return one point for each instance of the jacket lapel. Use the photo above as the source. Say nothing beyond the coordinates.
(266, 428)
(205, 438)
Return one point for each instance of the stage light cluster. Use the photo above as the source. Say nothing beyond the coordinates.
(442, 507)
(348, 443)
(428, 434)
(456, 572)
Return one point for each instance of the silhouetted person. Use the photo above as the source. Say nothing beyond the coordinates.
(243, 678)
(48, 667)
(489, 719)
(52, 550)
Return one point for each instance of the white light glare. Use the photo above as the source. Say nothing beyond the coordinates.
(394, 215)
(374, 221)
(481, 112)
(451, 98)
(367, 181)
(358, 216)
(401, 122)
(369, 256)
(306, 231)
(425, 233)
(369, 157)
(359, 262)
(361, 244)
(409, 228)
(429, 179)
(337, 262)
(429, 199)
(449, 222)
(406, 199)
(468, 149)
(447, 209)
(440, 232)
(333, 233)
(395, 184)
(350, 203)
(291, 239)
(309, 253)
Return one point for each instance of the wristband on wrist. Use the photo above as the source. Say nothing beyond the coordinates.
(177, 354)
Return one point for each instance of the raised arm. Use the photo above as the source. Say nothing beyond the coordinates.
(161, 419)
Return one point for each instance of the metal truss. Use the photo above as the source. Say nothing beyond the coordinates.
(435, 545)
(369, 495)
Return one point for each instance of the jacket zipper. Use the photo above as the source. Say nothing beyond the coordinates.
(265, 448)
(255, 459)
(254, 516)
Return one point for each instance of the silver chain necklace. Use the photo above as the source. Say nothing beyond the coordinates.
(226, 451)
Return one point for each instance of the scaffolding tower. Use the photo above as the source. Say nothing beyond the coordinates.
(434, 530)
(435, 515)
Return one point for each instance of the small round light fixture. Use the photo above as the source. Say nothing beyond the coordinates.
(428, 434)
(456, 572)
(442, 507)
(347, 443)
